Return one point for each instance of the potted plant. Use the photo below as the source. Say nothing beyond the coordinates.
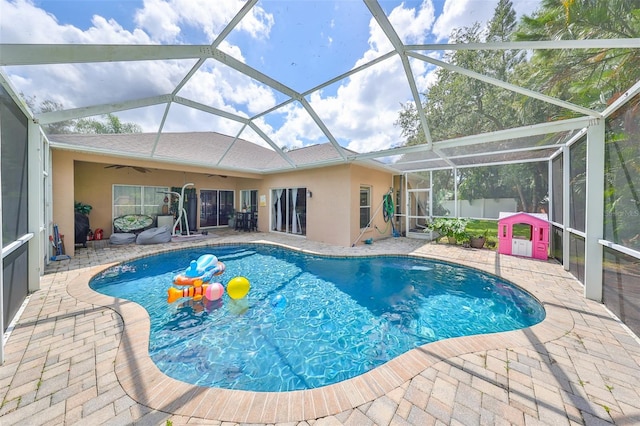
(478, 241)
(82, 208)
(452, 228)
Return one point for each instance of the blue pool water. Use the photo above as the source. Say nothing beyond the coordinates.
(308, 320)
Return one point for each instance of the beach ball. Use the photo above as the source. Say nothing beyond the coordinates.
(214, 291)
(279, 301)
(238, 287)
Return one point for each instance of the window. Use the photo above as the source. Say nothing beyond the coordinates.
(365, 206)
(249, 200)
(133, 199)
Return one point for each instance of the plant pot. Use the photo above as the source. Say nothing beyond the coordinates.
(477, 242)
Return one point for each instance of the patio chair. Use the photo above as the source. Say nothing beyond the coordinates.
(253, 221)
(241, 222)
(132, 223)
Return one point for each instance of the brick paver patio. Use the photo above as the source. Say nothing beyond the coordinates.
(77, 357)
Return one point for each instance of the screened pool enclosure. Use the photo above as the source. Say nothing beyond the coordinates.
(581, 165)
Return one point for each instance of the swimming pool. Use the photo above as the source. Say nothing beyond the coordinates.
(310, 320)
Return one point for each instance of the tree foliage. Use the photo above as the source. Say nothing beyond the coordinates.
(457, 105)
(622, 176)
(112, 123)
(587, 77)
(49, 105)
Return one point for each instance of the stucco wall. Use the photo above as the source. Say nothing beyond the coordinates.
(332, 210)
(327, 208)
(84, 178)
(62, 181)
(94, 186)
(380, 182)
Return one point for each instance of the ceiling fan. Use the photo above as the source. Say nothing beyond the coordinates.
(136, 168)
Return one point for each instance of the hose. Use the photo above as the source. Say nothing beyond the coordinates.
(387, 211)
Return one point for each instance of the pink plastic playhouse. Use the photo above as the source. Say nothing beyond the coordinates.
(537, 246)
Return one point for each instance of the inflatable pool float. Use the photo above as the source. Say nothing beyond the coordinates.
(209, 291)
(200, 271)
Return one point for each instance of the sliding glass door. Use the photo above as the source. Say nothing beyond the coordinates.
(289, 210)
(216, 206)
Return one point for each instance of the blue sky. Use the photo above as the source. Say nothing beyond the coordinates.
(79, 13)
(300, 43)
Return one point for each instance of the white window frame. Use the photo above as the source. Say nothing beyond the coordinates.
(367, 189)
(245, 199)
(149, 209)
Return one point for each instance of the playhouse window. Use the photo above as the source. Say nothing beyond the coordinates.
(522, 231)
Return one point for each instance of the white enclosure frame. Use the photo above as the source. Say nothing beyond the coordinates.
(590, 122)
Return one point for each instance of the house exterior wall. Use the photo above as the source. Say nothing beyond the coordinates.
(62, 181)
(380, 183)
(84, 178)
(328, 207)
(333, 210)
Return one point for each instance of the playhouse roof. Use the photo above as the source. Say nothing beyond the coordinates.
(516, 215)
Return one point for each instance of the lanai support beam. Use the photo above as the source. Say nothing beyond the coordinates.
(594, 220)
(566, 205)
(36, 224)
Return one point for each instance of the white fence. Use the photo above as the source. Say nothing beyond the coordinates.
(484, 208)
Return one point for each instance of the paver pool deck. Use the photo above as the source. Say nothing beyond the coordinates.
(78, 357)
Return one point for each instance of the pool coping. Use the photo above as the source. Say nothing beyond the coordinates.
(145, 383)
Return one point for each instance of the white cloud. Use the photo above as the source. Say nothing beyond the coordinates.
(22, 22)
(297, 126)
(366, 105)
(76, 85)
(413, 26)
(525, 7)
(221, 87)
(359, 111)
(163, 19)
(159, 19)
(464, 13)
